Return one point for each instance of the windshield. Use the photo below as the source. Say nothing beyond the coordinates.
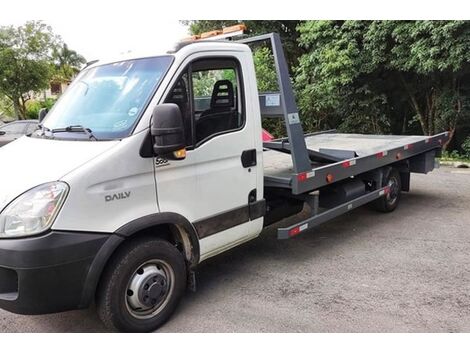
(109, 99)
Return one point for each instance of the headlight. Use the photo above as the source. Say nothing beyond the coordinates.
(34, 211)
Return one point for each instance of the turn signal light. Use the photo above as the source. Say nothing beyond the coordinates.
(180, 154)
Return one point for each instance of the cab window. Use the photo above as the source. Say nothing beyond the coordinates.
(216, 98)
(211, 101)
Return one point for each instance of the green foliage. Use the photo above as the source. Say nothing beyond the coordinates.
(204, 81)
(466, 147)
(25, 54)
(384, 76)
(286, 29)
(30, 56)
(6, 107)
(454, 155)
(401, 77)
(67, 62)
(265, 71)
(267, 82)
(33, 107)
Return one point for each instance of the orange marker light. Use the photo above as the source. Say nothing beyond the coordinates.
(235, 28)
(210, 34)
(180, 154)
(191, 38)
(329, 178)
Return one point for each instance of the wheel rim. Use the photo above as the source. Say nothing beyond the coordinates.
(150, 288)
(393, 186)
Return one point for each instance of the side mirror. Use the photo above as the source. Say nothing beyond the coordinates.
(42, 114)
(167, 131)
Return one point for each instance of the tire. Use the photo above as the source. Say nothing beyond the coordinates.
(389, 202)
(141, 286)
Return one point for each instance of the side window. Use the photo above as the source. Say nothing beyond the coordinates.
(216, 98)
(179, 95)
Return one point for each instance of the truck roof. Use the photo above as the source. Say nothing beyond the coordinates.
(180, 48)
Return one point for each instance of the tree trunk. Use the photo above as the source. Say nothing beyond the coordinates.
(22, 107)
(404, 125)
(16, 107)
(423, 119)
(451, 136)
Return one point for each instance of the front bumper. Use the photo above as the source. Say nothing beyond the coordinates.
(51, 273)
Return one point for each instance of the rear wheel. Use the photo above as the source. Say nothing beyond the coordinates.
(141, 286)
(389, 202)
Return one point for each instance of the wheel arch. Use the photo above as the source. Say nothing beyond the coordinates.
(179, 229)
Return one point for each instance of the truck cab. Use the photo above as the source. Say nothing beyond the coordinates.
(98, 182)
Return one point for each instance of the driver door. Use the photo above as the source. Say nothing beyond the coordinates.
(213, 187)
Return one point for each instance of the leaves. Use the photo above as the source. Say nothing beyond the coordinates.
(30, 56)
(67, 62)
(380, 76)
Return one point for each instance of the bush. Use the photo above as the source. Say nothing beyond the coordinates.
(33, 107)
(466, 147)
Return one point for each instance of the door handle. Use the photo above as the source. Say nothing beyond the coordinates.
(249, 158)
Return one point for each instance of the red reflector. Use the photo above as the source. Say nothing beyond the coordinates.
(294, 231)
(381, 155)
(266, 136)
(302, 177)
(348, 163)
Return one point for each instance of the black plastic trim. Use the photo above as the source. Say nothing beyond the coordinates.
(166, 218)
(226, 220)
(55, 271)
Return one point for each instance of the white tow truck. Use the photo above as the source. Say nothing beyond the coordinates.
(149, 165)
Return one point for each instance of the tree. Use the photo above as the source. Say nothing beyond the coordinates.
(286, 29)
(396, 72)
(25, 54)
(67, 62)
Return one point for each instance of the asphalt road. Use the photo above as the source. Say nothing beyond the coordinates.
(408, 271)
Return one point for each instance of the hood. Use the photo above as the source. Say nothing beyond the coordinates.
(29, 162)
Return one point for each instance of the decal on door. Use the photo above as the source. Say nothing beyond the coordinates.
(117, 196)
(159, 162)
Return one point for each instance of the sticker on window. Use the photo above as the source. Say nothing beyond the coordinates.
(120, 125)
(132, 111)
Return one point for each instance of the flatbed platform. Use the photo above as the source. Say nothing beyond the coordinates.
(366, 152)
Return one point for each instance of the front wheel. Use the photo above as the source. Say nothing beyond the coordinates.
(142, 286)
(389, 202)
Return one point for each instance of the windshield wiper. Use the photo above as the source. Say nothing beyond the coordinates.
(75, 128)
